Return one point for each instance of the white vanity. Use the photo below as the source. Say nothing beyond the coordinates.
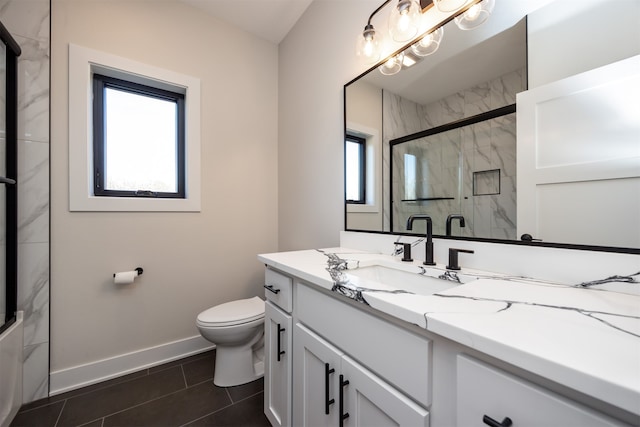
(343, 348)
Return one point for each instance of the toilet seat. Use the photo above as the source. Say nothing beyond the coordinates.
(232, 313)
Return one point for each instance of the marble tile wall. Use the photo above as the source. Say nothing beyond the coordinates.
(480, 147)
(29, 23)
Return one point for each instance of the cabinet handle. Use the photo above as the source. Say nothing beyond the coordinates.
(343, 416)
(327, 371)
(272, 289)
(506, 422)
(280, 352)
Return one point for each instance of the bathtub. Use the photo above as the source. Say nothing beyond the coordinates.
(11, 342)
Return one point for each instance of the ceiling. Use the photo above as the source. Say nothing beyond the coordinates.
(267, 19)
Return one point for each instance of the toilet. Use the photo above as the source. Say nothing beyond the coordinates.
(237, 330)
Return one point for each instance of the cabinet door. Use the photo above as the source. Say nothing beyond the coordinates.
(277, 375)
(370, 402)
(488, 396)
(316, 367)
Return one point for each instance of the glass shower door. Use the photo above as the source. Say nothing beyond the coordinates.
(3, 193)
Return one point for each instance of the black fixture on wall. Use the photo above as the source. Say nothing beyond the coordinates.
(12, 51)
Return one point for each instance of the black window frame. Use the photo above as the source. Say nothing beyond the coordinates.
(362, 143)
(100, 83)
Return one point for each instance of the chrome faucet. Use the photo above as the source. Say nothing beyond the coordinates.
(429, 244)
(451, 218)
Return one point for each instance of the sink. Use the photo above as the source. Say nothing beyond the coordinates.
(392, 276)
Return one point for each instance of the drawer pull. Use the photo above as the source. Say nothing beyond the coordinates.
(343, 416)
(327, 402)
(280, 331)
(272, 289)
(493, 423)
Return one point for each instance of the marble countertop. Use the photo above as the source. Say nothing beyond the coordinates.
(585, 336)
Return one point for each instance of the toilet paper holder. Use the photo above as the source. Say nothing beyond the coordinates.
(138, 269)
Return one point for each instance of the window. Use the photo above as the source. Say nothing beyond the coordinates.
(138, 140)
(169, 154)
(355, 173)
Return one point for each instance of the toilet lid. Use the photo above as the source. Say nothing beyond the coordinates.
(233, 313)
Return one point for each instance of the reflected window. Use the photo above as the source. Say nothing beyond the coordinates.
(410, 176)
(355, 169)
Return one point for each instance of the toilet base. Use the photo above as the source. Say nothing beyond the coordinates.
(234, 367)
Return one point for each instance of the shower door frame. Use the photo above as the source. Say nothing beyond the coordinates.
(12, 52)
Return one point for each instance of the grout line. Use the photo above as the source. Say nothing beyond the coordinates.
(229, 394)
(223, 408)
(184, 377)
(249, 397)
(93, 421)
(145, 402)
(207, 415)
(64, 403)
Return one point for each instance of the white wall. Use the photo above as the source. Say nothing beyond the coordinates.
(316, 59)
(191, 261)
(568, 37)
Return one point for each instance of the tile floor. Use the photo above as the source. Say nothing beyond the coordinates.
(179, 393)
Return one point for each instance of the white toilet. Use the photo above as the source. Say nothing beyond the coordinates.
(237, 330)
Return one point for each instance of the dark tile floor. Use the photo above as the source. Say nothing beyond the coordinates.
(179, 393)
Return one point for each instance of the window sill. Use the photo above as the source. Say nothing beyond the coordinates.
(365, 208)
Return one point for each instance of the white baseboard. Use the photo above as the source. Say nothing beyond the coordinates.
(91, 373)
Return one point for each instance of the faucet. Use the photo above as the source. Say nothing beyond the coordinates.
(451, 218)
(429, 244)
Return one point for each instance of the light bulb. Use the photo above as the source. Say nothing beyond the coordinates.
(404, 20)
(476, 15)
(449, 5)
(429, 43)
(473, 12)
(393, 65)
(368, 45)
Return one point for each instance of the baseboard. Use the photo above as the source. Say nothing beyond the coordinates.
(91, 373)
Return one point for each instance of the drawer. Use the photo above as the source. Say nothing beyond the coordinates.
(278, 289)
(484, 390)
(400, 357)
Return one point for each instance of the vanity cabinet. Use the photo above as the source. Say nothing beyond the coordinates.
(333, 389)
(486, 394)
(351, 368)
(341, 364)
(278, 343)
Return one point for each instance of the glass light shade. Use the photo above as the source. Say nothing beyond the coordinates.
(476, 15)
(404, 20)
(368, 45)
(393, 65)
(449, 5)
(429, 43)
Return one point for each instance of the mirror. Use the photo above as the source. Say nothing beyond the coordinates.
(441, 136)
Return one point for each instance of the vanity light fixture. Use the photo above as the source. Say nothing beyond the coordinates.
(449, 5)
(429, 44)
(476, 15)
(404, 20)
(403, 26)
(368, 46)
(393, 65)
